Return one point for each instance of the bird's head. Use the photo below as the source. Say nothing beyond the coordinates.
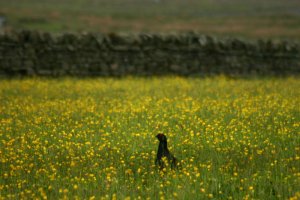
(161, 137)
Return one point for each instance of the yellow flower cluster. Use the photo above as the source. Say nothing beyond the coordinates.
(95, 138)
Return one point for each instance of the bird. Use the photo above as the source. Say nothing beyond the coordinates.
(163, 153)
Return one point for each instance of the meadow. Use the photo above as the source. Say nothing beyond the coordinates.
(95, 138)
(276, 19)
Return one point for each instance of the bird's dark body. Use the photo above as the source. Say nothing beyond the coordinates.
(163, 152)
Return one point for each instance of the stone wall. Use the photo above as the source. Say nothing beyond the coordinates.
(32, 53)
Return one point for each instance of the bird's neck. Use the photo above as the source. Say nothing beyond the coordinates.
(163, 145)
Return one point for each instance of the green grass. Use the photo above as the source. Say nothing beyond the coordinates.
(275, 19)
(95, 138)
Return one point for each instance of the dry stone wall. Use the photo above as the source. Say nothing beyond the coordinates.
(32, 53)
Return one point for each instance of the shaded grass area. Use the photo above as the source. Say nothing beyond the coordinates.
(95, 138)
(273, 18)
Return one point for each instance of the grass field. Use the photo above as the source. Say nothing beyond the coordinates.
(95, 138)
(276, 19)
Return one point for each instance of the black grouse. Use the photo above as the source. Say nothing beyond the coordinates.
(163, 153)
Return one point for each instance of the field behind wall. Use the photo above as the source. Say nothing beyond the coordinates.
(95, 138)
(254, 19)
